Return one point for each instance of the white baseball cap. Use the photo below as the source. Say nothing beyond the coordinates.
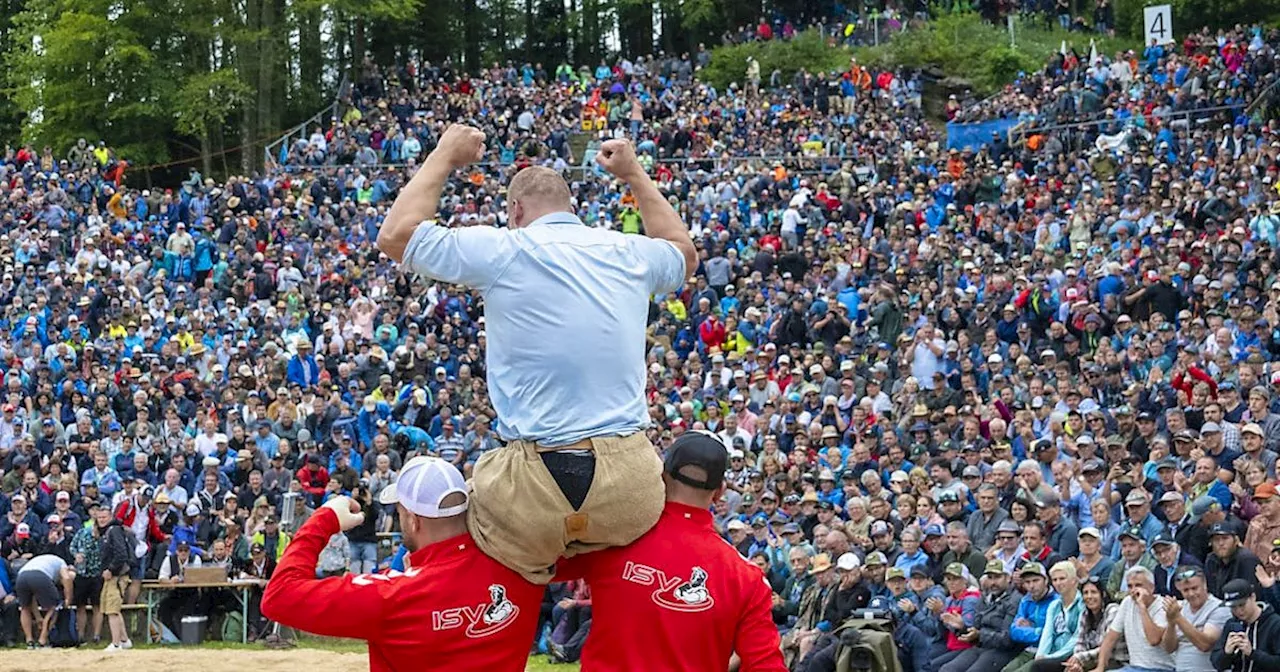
(425, 482)
(847, 562)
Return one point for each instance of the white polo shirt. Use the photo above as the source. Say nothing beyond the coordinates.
(565, 313)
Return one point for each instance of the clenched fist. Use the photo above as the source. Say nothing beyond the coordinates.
(461, 145)
(619, 158)
(348, 510)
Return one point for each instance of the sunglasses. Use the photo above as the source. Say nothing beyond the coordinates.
(1188, 573)
(1007, 537)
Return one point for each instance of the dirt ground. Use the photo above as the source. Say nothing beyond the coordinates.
(176, 659)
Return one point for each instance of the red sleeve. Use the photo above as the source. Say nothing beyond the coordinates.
(756, 642)
(154, 534)
(305, 481)
(296, 598)
(1200, 375)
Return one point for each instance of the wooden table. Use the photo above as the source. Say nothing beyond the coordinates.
(152, 590)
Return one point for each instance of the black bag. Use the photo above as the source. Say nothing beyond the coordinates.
(63, 633)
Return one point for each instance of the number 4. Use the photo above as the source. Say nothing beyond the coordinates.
(1157, 26)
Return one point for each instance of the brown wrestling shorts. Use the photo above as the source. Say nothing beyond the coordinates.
(520, 516)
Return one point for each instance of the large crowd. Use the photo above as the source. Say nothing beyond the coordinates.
(991, 393)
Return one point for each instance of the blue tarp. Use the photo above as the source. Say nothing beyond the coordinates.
(973, 136)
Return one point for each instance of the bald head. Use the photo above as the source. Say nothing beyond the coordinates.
(534, 192)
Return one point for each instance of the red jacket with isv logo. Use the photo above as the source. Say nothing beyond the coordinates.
(678, 598)
(453, 608)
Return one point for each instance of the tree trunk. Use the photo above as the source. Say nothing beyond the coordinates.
(266, 73)
(310, 60)
(248, 52)
(471, 32)
(530, 31)
(206, 154)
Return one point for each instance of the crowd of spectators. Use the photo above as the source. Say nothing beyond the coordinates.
(976, 389)
(1187, 82)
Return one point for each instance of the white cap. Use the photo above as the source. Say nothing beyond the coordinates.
(847, 562)
(425, 482)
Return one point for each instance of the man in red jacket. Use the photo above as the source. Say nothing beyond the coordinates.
(453, 608)
(696, 602)
(314, 478)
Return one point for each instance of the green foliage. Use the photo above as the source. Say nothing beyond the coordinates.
(207, 100)
(963, 46)
(1192, 15)
(807, 50)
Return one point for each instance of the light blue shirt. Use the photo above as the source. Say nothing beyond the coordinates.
(565, 311)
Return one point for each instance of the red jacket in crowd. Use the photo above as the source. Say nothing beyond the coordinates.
(309, 480)
(453, 608)
(679, 598)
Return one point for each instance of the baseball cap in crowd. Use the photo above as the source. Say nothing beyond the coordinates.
(1237, 592)
(702, 449)
(736, 524)
(1089, 532)
(847, 562)
(875, 559)
(1163, 539)
(1264, 491)
(1135, 496)
(995, 567)
(894, 573)
(23, 531)
(1220, 530)
(1202, 505)
(955, 569)
(934, 530)
(1032, 568)
(423, 484)
(879, 528)
(1133, 532)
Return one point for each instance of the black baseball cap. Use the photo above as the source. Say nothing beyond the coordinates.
(1220, 530)
(1237, 592)
(699, 449)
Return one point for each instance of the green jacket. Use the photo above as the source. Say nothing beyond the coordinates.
(1117, 575)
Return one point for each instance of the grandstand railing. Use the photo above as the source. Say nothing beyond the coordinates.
(271, 153)
(1080, 133)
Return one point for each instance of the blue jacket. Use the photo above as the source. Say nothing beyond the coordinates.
(924, 619)
(1036, 613)
(1061, 628)
(304, 371)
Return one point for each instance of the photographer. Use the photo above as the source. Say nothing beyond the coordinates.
(1251, 638)
(364, 537)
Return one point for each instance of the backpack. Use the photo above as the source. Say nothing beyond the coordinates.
(866, 644)
(122, 545)
(63, 633)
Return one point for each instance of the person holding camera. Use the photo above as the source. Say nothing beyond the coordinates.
(1250, 639)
